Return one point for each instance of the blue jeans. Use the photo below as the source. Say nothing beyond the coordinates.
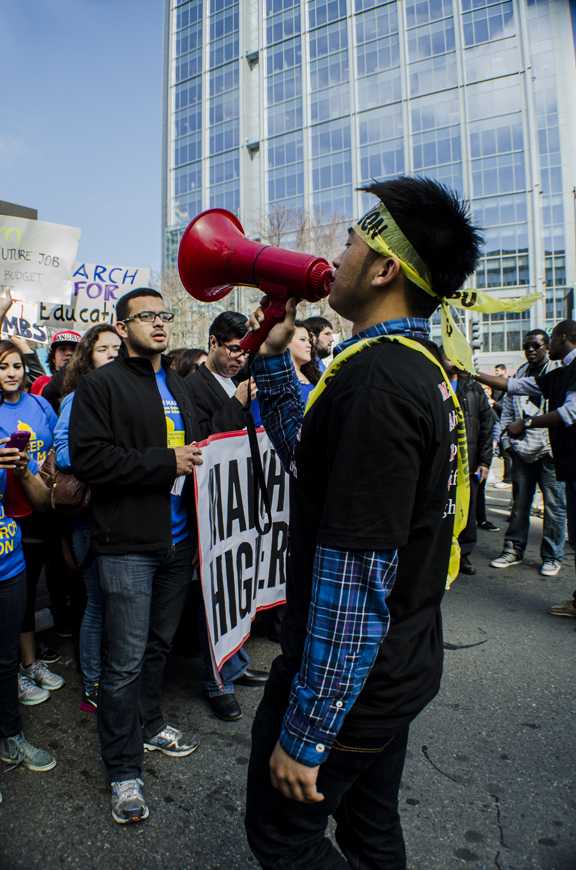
(92, 626)
(230, 671)
(144, 595)
(526, 476)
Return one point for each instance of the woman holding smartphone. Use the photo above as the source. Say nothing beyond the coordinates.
(14, 748)
(22, 413)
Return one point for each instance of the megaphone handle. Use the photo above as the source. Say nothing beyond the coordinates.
(274, 312)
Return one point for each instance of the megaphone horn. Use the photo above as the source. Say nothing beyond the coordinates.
(215, 256)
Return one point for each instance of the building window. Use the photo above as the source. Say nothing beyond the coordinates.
(324, 11)
(486, 24)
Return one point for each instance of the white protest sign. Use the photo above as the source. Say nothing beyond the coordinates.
(241, 571)
(93, 295)
(22, 320)
(36, 258)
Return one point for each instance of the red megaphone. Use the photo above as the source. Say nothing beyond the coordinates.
(215, 256)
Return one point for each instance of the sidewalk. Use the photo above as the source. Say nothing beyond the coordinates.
(489, 781)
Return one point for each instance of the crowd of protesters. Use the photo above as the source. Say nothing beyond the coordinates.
(119, 419)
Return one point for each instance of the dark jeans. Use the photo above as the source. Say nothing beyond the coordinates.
(12, 605)
(526, 476)
(571, 509)
(360, 785)
(144, 595)
(469, 536)
(481, 515)
(42, 546)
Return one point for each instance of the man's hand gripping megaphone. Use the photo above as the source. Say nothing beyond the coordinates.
(281, 334)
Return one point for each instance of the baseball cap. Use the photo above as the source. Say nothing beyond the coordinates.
(66, 336)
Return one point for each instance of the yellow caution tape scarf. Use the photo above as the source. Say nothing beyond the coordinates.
(381, 233)
(463, 475)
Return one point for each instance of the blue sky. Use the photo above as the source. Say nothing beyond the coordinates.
(81, 120)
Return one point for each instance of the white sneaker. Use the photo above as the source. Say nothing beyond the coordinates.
(28, 692)
(506, 559)
(43, 676)
(550, 568)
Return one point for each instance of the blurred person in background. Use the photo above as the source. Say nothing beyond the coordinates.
(222, 407)
(185, 360)
(532, 465)
(501, 371)
(322, 333)
(479, 419)
(221, 402)
(558, 388)
(14, 748)
(62, 345)
(22, 412)
(99, 346)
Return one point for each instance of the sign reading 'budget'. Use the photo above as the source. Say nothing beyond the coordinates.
(36, 258)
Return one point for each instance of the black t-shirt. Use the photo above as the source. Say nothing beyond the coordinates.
(377, 469)
(554, 386)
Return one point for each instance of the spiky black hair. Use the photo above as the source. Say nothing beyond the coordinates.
(438, 224)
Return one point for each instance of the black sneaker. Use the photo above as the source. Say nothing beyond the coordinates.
(47, 654)
(466, 566)
(487, 526)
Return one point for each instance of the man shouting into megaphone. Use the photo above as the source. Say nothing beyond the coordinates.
(379, 472)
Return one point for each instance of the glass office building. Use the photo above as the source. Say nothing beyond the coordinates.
(279, 109)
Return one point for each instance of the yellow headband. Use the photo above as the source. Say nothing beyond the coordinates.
(381, 233)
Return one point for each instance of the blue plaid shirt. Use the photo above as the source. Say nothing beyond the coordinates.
(348, 617)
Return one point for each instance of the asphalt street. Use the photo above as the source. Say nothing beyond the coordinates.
(489, 781)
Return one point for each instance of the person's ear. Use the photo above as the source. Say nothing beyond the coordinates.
(213, 343)
(387, 272)
(121, 329)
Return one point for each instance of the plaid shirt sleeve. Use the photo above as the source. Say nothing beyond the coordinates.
(348, 620)
(281, 406)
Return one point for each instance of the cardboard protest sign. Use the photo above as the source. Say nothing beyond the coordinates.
(93, 294)
(36, 258)
(241, 571)
(22, 320)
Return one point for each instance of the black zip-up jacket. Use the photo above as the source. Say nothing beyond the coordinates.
(479, 419)
(217, 411)
(118, 446)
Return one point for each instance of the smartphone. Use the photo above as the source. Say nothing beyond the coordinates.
(19, 440)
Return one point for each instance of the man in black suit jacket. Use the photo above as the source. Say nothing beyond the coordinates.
(221, 405)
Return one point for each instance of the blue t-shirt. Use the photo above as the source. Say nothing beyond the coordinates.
(176, 437)
(30, 414)
(11, 553)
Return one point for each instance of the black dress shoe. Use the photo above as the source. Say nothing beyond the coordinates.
(466, 566)
(253, 679)
(225, 707)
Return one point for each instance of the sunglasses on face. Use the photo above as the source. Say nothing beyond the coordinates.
(150, 316)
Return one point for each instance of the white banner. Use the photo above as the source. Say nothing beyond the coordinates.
(241, 571)
(36, 258)
(93, 295)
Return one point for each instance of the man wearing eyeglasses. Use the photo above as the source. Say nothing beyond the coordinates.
(220, 401)
(133, 433)
(221, 405)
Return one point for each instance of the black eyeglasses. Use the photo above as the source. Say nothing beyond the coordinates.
(150, 316)
(531, 346)
(233, 349)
